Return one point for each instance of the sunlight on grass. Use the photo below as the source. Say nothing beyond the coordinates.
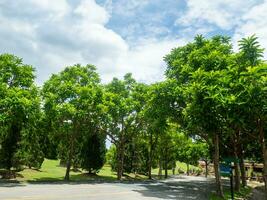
(52, 171)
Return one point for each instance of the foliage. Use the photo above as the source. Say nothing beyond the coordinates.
(93, 153)
(19, 114)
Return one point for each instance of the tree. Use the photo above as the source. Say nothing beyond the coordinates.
(251, 51)
(93, 153)
(19, 107)
(196, 68)
(120, 115)
(73, 103)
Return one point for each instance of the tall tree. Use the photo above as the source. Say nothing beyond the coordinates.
(19, 107)
(196, 68)
(72, 102)
(121, 115)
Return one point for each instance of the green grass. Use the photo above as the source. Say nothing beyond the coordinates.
(244, 192)
(52, 171)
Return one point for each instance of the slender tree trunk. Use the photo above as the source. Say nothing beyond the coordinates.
(166, 168)
(150, 156)
(216, 166)
(236, 166)
(187, 169)
(67, 175)
(120, 161)
(160, 168)
(206, 167)
(264, 154)
(173, 168)
(243, 170)
(121, 151)
(68, 164)
(241, 160)
(265, 170)
(237, 177)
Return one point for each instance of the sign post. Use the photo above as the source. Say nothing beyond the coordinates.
(232, 187)
(226, 171)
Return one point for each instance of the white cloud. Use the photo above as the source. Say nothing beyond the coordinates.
(92, 12)
(53, 34)
(223, 13)
(145, 60)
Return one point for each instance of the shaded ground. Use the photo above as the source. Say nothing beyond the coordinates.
(257, 193)
(181, 187)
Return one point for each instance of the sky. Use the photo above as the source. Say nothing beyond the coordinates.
(119, 36)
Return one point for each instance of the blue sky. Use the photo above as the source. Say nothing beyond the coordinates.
(119, 36)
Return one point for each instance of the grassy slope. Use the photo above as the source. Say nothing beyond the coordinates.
(51, 171)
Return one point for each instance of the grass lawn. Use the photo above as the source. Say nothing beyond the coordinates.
(51, 171)
(244, 192)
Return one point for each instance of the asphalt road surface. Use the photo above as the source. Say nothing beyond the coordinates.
(179, 187)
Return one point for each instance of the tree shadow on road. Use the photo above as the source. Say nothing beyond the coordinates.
(199, 190)
(10, 183)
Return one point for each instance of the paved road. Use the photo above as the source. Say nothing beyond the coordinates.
(181, 187)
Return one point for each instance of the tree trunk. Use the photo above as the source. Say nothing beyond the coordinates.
(67, 175)
(241, 161)
(160, 168)
(68, 164)
(216, 166)
(206, 167)
(150, 156)
(187, 169)
(236, 166)
(265, 170)
(243, 171)
(119, 170)
(166, 168)
(264, 153)
(237, 177)
(120, 161)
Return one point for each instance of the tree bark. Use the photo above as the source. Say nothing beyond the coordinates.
(243, 170)
(67, 175)
(166, 168)
(264, 154)
(187, 169)
(236, 166)
(237, 177)
(206, 167)
(241, 160)
(160, 168)
(120, 161)
(216, 166)
(68, 164)
(150, 156)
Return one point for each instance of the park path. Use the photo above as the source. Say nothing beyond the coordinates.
(179, 187)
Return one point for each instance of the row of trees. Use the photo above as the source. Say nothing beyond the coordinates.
(220, 96)
(211, 93)
(71, 116)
